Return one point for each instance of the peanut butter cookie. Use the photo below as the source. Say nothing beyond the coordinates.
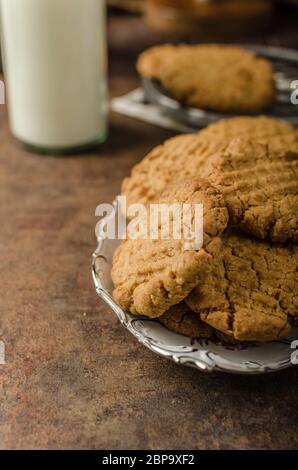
(249, 291)
(260, 183)
(152, 275)
(260, 188)
(213, 77)
(277, 134)
(184, 155)
(177, 158)
(182, 320)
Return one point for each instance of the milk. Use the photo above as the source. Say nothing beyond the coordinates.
(55, 71)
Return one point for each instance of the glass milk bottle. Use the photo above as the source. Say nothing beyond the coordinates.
(54, 55)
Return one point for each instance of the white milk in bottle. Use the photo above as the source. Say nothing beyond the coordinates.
(54, 55)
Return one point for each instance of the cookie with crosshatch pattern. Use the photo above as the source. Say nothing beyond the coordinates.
(260, 187)
(150, 275)
(183, 155)
(249, 291)
(259, 181)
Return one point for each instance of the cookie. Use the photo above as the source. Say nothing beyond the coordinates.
(277, 134)
(150, 275)
(180, 319)
(249, 291)
(184, 155)
(177, 158)
(260, 183)
(212, 77)
(260, 188)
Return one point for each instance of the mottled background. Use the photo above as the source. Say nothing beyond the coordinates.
(74, 378)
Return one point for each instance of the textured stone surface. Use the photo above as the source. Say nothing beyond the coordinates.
(75, 378)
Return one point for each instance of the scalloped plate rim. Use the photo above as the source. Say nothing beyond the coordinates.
(201, 359)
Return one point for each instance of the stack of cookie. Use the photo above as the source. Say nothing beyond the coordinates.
(241, 285)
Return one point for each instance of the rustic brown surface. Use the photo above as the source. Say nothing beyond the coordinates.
(74, 377)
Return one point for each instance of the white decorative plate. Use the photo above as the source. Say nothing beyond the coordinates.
(205, 355)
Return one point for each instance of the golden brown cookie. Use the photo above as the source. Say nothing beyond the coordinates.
(177, 158)
(260, 188)
(182, 320)
(152, 275)
(277, 134)
(260, 183)
(211, 76)
(184, 155)
(249, 291)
